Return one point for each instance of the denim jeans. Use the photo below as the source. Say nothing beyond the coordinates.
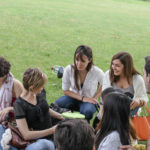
(2, 130)
(41, 144)
(85, 108)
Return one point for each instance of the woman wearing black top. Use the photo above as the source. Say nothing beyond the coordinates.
(32, 112)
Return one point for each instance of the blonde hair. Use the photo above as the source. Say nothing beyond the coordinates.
(33, 77)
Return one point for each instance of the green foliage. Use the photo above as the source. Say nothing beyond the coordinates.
(43, 33)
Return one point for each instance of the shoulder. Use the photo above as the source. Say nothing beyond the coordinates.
(96, 69)
(18, 101)
(114, 135)
(111, 141)
(17, 87)
(138, 78)
(69, 67)
(107, 72)
(68, 71)
(17, 84)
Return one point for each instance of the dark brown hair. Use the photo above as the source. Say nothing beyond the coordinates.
(147, 67)
(129, 69)
(75, 134)
(115, 118)
(4, 67)
(80, 51)
(33, 77)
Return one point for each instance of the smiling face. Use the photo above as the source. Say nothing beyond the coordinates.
(82, 62)
(117, 67)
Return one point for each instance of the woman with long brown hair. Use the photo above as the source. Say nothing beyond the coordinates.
(114, 127)
(81, 83)
(124, 76)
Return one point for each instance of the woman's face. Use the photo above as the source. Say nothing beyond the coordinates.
(82, 64)
(117, 67)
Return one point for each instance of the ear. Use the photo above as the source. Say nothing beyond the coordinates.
(93, 147)
(90, 60)
(149, 77)
(31, 88)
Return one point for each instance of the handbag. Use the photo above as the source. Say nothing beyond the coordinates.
(142, 125)
(17, 139)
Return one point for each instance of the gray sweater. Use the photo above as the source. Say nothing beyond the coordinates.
(110, 142)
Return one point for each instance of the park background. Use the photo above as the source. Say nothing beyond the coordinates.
(44, 33)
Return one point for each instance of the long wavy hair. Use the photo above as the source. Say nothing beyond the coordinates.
(80, 51)
(115, 118)
(129, 69)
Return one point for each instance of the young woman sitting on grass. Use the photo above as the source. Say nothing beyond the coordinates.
(81, 83)
(32, 113)
(114, 127)
(123, 76)
(10, 89)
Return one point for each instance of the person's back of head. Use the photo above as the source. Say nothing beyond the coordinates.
(74, 134)
(107, 91)
(116, 112)
(4, 67)
(147, 67)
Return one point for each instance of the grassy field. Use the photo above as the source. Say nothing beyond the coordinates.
(43, 33)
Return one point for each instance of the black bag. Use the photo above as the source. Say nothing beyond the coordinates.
(58, 109)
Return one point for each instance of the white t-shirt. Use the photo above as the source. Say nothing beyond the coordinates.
(93, 78)
(110, 142)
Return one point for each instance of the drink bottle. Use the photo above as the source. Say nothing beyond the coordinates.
(59, 70)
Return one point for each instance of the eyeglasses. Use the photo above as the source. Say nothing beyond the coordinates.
(101, 103)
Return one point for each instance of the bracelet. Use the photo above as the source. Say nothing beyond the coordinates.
(82, 98)
(141, 103)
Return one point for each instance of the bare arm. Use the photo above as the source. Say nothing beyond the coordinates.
(92, 100)
(98, 93)
(55, 114)
(30, 135)
(17, 88)
(73, 95)
(127, 147)
(4, 113)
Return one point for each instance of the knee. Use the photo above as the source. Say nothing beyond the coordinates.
(65, 102)
(61, 101)
(2, 130)
(88, 110)
(46, 144)
(88, 114)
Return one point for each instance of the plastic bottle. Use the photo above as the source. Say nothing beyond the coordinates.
(59, 70)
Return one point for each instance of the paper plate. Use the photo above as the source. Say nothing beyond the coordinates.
(73, 115)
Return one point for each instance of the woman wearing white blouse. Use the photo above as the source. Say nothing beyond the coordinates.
(81, 83)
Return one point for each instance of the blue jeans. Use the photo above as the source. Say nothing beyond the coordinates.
(41, 144)
(2, 130)
(85, 108)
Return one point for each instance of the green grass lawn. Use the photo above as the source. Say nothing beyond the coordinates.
(43, 33)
